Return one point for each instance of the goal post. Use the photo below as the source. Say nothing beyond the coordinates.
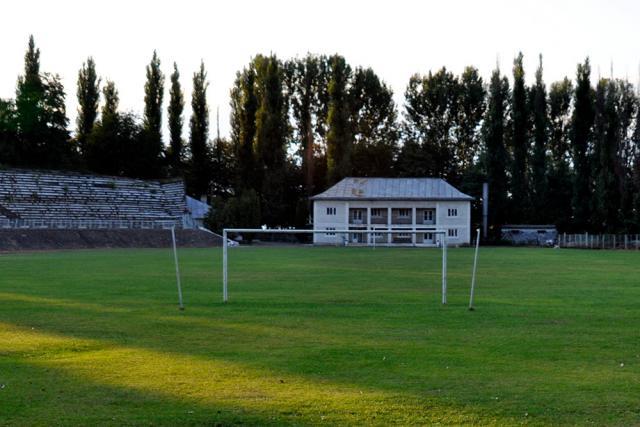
(226, 242)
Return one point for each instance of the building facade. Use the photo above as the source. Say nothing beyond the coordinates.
(420, 205)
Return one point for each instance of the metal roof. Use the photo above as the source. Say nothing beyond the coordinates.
(392, 189)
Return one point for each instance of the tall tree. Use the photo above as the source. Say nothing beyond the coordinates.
(270, 138)
(431, 112)
(519, 145)
(471, 108)
(305, 84)
(112, 145)
(581, 123)
(559, 192)
(539, 158)
(29, 101)
(495, 155)
(199, 134)
(244, 104)
(339, 136)
(175, 153)
(8, 134)
(88, 94)
(150, 146)
(375, 130)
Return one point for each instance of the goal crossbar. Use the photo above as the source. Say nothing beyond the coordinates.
(225, 245)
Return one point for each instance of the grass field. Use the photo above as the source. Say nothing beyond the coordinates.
(320, 336)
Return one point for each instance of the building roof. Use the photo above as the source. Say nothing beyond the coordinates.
(393, 189)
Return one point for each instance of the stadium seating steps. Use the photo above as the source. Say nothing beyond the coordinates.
(48, 199)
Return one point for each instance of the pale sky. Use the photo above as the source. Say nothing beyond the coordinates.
(396, 38)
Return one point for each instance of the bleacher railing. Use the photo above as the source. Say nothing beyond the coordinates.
(91, 224)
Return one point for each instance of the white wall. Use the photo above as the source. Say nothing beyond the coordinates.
(461, 222)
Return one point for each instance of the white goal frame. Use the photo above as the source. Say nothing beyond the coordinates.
(225, 245)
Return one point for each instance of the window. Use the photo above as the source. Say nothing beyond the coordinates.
(330, 228)
(356, 214)
(452, 212)
(331, 211)
(428, 215)
(428, 236)
(404, 213)
(404, 235)
(452, 232)
(376, 212)
(378, 235)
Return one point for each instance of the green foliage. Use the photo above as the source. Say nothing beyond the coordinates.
(495, 155)
(539, 179)
(9, 154)
(244, 104)
(88, 95)
(519, 189)
(175, 153)
(241, 211)
(558, 201)
(40, 116)
(271, 139)
(199, 174)
(150, 148)
(339, 135)
(441, 127)
(471, 108)
(581, 124)
(374, 121)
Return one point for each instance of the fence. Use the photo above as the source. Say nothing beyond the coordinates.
(90, 224)
(599, 241)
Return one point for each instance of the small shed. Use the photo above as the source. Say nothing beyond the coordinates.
(528, 234)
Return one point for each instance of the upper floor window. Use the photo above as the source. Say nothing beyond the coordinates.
(404, 213)
(452, 212)
(428, 215)
(331, 211)
(376, 212)
(357, 214)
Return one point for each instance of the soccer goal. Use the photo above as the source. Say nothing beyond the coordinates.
(348, 237)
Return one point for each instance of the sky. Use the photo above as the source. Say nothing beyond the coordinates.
(396, 38)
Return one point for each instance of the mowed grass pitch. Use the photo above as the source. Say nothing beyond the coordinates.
(320, 336)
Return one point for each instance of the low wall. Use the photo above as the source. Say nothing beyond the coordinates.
(44, 239)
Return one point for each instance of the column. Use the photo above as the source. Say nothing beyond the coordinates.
(389, 225)
(413, 225)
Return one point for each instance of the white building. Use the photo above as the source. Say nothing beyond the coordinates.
(414, 204)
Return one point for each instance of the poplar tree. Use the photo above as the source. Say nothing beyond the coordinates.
(495, 155)
(29, 101)
(149, 149)
(339, 136)
(175, 109)
(244, 104)
(88, 94)
(558, 202)
(270, 139)
(539, 158)
(581, 124)
(304, 100)
(519, 144)
(199, 134)
(471, 108)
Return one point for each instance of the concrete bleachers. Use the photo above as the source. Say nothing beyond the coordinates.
(52, 199)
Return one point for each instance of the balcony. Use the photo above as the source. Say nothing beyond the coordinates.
(425, 216)
(357, 216)
(401, 216)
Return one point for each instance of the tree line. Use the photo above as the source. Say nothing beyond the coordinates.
(567, 154)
